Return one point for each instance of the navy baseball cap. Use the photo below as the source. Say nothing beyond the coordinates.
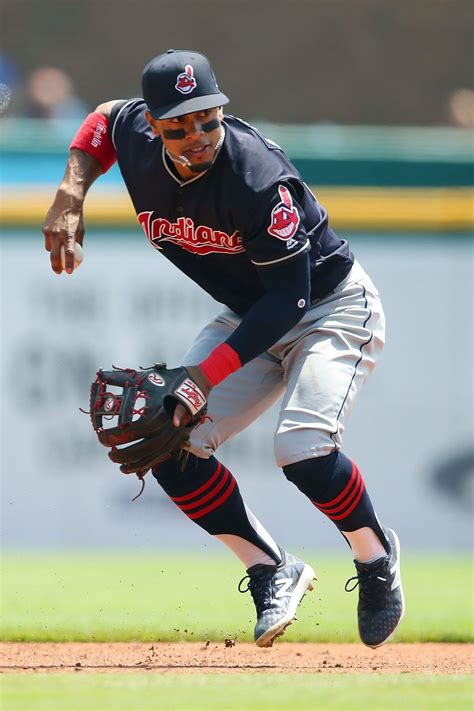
(180, 82)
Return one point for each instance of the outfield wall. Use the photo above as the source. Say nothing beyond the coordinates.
(411, 434)
(367, 177)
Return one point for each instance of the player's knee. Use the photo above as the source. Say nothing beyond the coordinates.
(314, 444)
(314, 475)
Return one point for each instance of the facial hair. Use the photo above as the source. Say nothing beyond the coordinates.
(201, 167)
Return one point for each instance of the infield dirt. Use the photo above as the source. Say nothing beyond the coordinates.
(228, 657)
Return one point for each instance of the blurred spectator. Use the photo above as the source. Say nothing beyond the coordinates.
(50, 95)
(9, 81)
(461, 108)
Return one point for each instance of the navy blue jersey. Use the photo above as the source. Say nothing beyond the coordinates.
(249, 211)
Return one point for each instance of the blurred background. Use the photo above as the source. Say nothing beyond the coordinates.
(374, 103)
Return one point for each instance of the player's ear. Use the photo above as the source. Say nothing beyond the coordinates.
(152, 123)
(220, 113)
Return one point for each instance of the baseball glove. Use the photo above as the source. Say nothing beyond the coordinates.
(141, 432)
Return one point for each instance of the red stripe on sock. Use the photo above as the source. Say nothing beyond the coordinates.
(202, 488)
(343, 508)
(329, 504)
(336, 509)
(217, 502)
(209, 495)
(352, 507)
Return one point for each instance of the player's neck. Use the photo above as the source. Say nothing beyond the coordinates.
(185, 172)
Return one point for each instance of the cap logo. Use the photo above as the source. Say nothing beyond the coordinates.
(185, 82)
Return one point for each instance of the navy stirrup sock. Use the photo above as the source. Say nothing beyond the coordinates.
(209, 495)
(335, 486)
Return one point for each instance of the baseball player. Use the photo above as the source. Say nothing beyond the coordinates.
(301, 322)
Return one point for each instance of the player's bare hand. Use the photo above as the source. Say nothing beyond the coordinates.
(181, 415)
(64, 225)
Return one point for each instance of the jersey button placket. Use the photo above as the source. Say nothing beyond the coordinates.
(179, 202)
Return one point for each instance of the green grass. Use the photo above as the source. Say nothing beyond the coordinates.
(237, 692)
(162, 597)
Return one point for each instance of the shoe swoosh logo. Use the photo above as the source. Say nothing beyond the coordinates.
(284, 584)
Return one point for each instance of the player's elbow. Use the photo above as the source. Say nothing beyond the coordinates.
(300, 306)
(293, 306)
(106, 108)
(299, 298)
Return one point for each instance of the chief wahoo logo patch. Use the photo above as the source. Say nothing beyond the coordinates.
(285, 217)
(185, 82)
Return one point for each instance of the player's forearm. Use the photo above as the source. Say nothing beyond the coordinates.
(282, 306)
(287, 298)
(269, 319)
(273, 315)
(82, 170)
(91, 154)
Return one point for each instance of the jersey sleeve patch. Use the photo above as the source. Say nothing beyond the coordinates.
(277, 231)
(285, 217)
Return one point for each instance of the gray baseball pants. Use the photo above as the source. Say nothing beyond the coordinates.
(317, 370)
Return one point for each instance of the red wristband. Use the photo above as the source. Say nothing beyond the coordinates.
(220, 363)
(92, 138)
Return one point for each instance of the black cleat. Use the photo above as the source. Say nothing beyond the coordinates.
(381, 603)
(277, 591)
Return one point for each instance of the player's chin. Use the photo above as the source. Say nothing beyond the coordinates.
(200, 167)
